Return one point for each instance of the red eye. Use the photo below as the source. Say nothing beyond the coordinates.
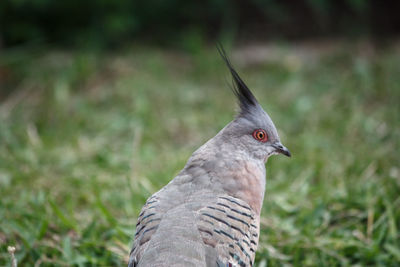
(260, 135)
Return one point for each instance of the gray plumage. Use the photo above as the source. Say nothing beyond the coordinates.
(209, 214)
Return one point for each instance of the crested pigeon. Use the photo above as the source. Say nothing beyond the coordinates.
(209, 214)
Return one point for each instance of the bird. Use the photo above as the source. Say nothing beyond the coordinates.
(209, 214)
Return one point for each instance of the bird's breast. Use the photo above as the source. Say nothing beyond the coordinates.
(246, 181)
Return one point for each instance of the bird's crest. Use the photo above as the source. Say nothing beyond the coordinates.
(246, 99)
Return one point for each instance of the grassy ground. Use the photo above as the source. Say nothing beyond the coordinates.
(85, 138)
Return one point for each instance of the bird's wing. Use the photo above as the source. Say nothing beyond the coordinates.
(231, 229)
(216, 231)
(167, 236)
(147, 224)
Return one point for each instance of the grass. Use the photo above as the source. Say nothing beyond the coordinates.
(86, 137)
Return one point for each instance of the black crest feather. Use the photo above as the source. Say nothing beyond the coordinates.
(246, 99)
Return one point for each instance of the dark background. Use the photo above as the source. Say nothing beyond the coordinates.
(108, 23)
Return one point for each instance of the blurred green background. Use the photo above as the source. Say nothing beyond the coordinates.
(102, 103)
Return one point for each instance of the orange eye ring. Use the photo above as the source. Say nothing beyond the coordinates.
(260, 135)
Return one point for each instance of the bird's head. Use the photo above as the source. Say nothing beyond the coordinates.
(252, 130)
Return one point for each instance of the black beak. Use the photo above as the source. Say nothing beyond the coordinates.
(282, 149)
